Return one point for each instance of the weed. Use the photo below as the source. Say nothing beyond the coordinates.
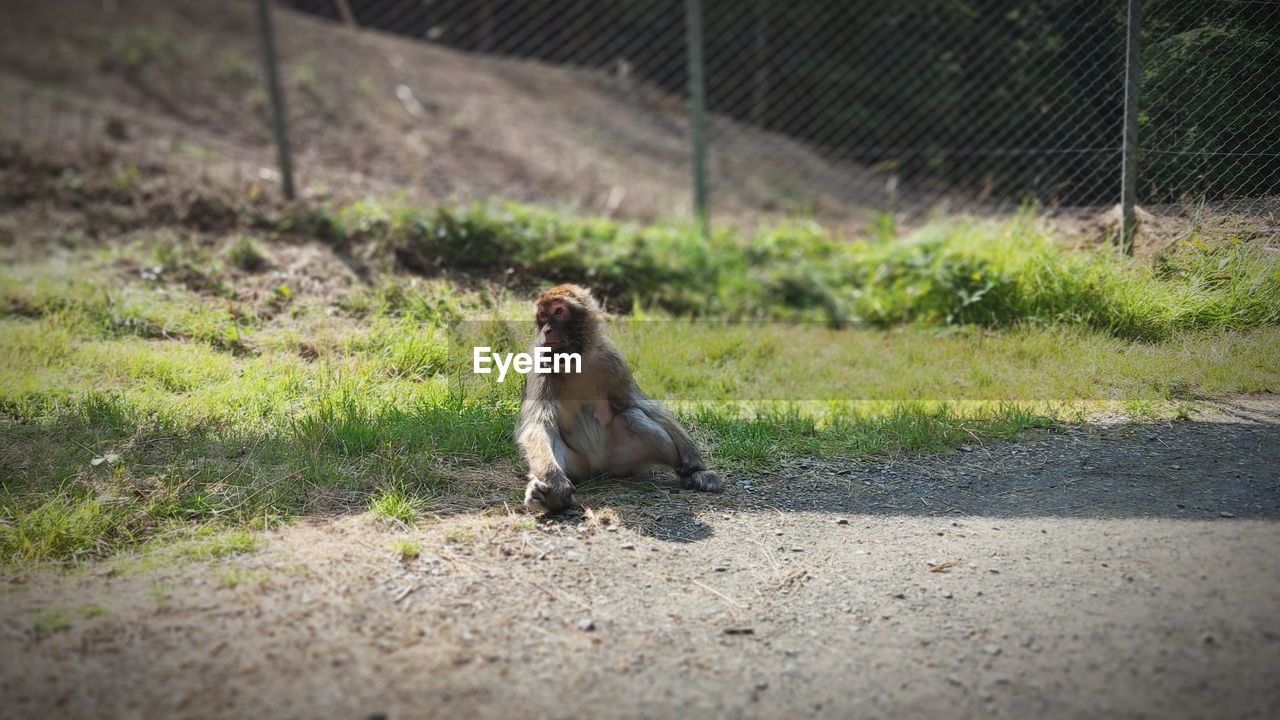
(247, 255)
(460, 534)
(210, 545)
(135, 49)
(307, 80)
(407, 549)
(237, 577)
(50, 620)
(395, 505)
(235, 66)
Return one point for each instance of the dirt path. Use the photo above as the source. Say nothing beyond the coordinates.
(1118, 571)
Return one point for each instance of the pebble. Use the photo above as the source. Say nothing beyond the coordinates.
(1226, 514)
(628, 546)
(992, 649)
(587, 625)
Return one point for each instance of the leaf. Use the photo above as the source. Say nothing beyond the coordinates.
(109, 458)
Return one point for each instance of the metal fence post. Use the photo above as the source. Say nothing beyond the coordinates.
(1129, 163)
(698, 115)
(278, 122)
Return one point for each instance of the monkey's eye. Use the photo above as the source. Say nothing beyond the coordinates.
(558, 311)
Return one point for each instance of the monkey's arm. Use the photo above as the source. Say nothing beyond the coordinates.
(548, 458)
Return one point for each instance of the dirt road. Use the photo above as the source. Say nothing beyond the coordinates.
(1125, 570)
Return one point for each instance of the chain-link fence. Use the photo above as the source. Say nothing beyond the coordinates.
(839, 109)
(847, 112)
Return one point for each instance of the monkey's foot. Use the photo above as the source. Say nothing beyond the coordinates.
(549, 496)
(702, 480)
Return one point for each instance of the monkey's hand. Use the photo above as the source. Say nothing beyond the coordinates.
(702, 480)
(549, 494)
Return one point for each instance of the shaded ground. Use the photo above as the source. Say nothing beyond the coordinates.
(1125, 570)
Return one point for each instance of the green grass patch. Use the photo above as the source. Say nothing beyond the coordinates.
(49, 620)
(990, 273)
(395, 505)
(138, 408)
(246, 254)
(216, 545)
(407, 549)
(754, 443)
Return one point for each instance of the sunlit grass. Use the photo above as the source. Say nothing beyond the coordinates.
(134, 408)
(396, 505)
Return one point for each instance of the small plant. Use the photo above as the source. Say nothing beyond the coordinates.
(281, 295)
(50, 620)
(307, 79)
(208, 544)
(395, 505)
(133, 50)
(237, 577)
(247, 255)
(459, 534)
(238, 68)
(407, 549)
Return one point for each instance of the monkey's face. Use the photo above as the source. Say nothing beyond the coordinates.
(555, 320)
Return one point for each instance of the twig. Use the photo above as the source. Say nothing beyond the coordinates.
(722, 596)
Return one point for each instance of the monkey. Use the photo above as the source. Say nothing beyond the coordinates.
(574, 426)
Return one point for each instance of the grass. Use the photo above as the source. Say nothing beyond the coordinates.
(460, 534)
(237, 577)
(957, 272)
(247, 255)
(395, 505)
(228, 409)
(135, 49)
(49, 620)
(407, 549)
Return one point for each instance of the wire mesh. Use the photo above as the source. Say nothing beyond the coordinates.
(1209, 130)
(845, 110)
(904, 105)
(841, 111)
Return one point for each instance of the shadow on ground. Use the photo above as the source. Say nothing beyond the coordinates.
(1220, 465)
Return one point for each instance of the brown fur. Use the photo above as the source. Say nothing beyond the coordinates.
(597, 422)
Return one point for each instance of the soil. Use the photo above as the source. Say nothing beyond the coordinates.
(1111, 569)
(371, 112)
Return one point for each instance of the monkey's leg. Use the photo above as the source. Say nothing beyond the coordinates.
(636, 441)
(551, 462)
(643, 436)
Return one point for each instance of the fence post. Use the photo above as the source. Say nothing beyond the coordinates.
(348, 17)
(1129, 163)
(277, 98)
(697, 115)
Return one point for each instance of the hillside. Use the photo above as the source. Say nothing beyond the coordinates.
(374, 112)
